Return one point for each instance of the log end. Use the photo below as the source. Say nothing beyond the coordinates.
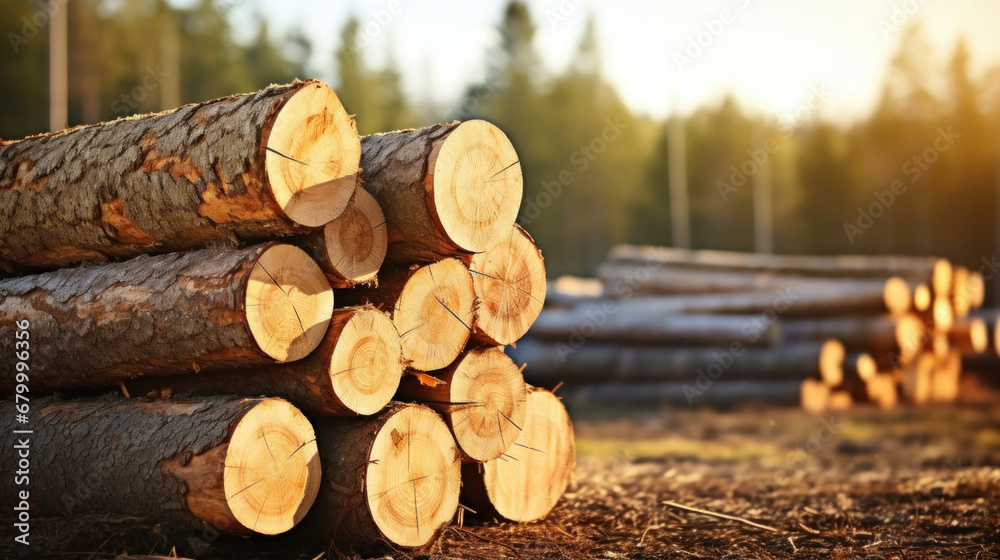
(922, 297)
(313, 152)
(288, 303)
(527, 483)
(488, 402)
(477, 186)
(814, 396)
(434, 314)
(866, 367)
(509, 282)
(355, 243)
(413, 477)
(367, 362)
(897, 295)
(941, 277)
(272, 468)
(831, 362)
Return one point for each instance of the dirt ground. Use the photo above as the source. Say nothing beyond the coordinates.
(905, 484)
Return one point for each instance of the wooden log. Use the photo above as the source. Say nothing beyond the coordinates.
(814, 396)
(675, 393)
(834, 299)
(861, 366)
(901, 336)
(960, 296)
(942, 313)
(509, 283)
(922, 298)
(576, 328)
(946, 377)
(446, 190)
(242, 465)
(942, 277)
(355, 371)
(482, 398)
(840, 400)
(432, 307)
(528, 481)
(917, 379)
(850, 266)
(627, 280)
(351, 248)
(883, 390)
(390, 480)
(549, 364)
(168, 314)
(250, 167)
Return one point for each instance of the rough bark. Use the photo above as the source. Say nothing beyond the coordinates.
(168, 314)
(482, 398)
(446, 190)
(226, 169)
(719, 393)
(528, 481)
(548, 364)
(903, 336)
(389, 480)
(355, 371)
(650, 328)
(171, 461)
(432, 307)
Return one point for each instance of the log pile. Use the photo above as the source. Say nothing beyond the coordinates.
(240, 317)
(665, 325)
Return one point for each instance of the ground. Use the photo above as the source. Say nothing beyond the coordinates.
(909, 483)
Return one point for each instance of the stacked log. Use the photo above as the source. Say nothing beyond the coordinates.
(230, 325)
(679, 326)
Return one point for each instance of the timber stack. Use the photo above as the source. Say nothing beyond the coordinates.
(241, 317)
(667, 325)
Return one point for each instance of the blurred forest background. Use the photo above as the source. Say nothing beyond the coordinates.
(147, 55)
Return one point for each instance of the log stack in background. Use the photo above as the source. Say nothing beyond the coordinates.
(688, 327)
(226, 315)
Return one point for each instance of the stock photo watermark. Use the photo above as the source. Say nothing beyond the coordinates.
(32, 25)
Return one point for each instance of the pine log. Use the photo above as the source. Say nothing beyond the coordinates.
(509, 283)
(942, 313)
(840, 400)
(482, 398)
(844, 266)
(861, 366)
(922, 298)
(960, 296)
(168, 314)
(576, 328)
(527, 482)
(946, 377)
(389, 480)
(626, 280)
(883, 390)
(241, 465)
(814, 396)
(902, 336)
(432, 307)
(351, 248)
(917, 379)
(549, 364)
(446, 190)
(942, 277)
(355, 371)
(250, 167)
(674, 393)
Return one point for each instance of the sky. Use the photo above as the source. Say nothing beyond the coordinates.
(774, 55)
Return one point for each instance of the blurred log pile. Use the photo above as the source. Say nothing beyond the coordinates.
(692, 327)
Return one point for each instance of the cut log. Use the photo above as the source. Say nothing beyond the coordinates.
(883, 390)
(432, 307)
(975, 286)
(250, 167)
(482, 398)
(355, 371)
(946, 377)
(960, 296)
(446, 190)
(351, 248)
(389, 480)
(241, 465)
(940, 345)
(851, 266)
(860, 365)
(814, 396)
(719, 393)
(549, 364)
(834, 299)
(902, 336)
(575, 328)
(922, 298)
(942, 277)
(917, 379)
(509, 282)
(168, 314)
(942, 313)
(626, 280)
(528, 481)
(840, 400)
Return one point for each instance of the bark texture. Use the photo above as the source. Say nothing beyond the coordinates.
(156, 183)
(167, 314)
(650, 328)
